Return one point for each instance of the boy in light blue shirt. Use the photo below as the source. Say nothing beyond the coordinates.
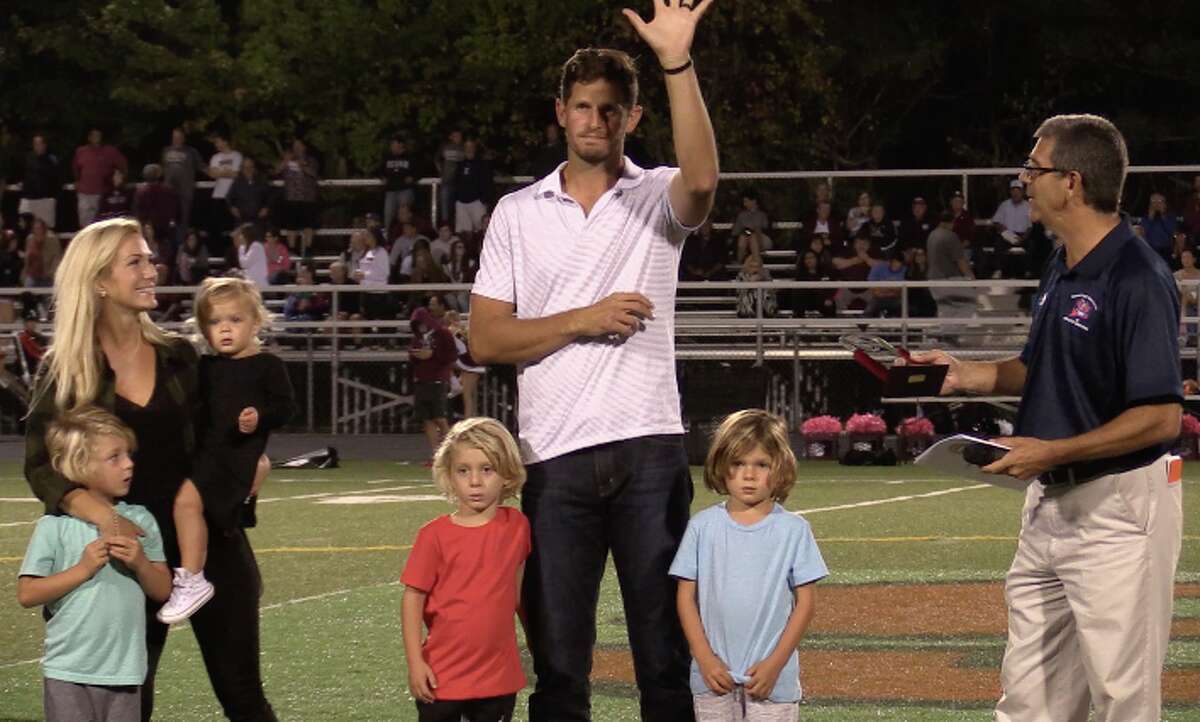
(94, 582)
(746, 570)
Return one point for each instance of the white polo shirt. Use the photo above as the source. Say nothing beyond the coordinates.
(543, 255)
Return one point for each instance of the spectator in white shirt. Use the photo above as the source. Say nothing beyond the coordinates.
(252, 257)
(223, 168)
(1011, 219)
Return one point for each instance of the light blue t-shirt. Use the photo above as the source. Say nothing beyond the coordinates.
(744, 580)
(97, 634)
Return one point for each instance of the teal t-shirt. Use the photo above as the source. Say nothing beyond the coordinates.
(97, 631)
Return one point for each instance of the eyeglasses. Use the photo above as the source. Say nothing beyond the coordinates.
(1030, 172)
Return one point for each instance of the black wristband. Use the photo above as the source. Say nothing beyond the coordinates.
(680, 69)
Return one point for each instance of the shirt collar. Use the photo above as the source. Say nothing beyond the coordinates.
(1102, 256)
(551, 186)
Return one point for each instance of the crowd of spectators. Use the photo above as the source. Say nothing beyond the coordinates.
(263, 213)
(259, 208)
(864, 244)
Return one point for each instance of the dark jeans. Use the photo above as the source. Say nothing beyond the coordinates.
(632, 497)
(226, 628)
(487, 709)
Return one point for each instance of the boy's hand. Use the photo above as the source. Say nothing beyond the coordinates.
(248, 420)
(716, 675)
(128, 550)
(762, 677)
(95, 555)
(421, 682)
(422, 353)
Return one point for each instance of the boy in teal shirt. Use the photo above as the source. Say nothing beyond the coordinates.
(94, 582)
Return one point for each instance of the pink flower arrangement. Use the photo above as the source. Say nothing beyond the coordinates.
(1190, 426)
(821, 426)
(915, 426)
(866, 424)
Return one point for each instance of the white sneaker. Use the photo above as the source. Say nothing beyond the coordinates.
(189, 592)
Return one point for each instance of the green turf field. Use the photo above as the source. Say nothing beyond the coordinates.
(332, 543)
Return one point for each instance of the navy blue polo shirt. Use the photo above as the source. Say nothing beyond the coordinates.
(1104, 338)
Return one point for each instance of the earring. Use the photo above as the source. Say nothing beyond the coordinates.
(103, 293)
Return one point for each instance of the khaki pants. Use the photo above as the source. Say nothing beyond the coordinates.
(1089, 598)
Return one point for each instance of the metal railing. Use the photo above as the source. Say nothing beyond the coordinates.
(828, 176)
(364, 363)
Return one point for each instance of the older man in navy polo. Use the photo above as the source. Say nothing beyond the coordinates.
(1090, 588)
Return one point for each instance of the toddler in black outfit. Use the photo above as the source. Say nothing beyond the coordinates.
(245, 394)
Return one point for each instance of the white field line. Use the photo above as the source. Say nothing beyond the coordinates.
(891, 500)
(321, 495)
(324, 494)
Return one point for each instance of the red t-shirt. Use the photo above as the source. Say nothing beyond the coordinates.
(470, 575)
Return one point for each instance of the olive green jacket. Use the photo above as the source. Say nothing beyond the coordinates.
(177, 360)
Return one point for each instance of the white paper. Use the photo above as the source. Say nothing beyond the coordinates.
(946, 457)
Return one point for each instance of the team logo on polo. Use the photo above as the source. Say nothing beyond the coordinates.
(1082, 308)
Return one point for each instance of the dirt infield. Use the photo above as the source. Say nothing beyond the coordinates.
(941, 612)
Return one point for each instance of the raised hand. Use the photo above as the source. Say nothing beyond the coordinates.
(669, 34)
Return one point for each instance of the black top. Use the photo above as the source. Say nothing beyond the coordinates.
(226, 459)
(42, 176)
(398, 171)
(160, 463)
(1104, 338)
(175, 373)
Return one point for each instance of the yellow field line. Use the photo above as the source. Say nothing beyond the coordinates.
(889, 539)
(333, 550)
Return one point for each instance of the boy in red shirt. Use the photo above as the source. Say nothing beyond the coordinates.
(463, 582)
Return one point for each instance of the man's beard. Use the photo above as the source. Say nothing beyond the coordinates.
(594, 154)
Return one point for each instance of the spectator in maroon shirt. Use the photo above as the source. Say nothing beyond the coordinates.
(155, 203)
(93, 166)
(433, 354)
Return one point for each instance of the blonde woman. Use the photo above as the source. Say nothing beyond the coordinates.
(108, 352)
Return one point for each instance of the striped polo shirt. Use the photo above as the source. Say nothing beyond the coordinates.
(542, 254)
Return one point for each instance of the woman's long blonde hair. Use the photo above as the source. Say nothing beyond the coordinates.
(73, 362)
